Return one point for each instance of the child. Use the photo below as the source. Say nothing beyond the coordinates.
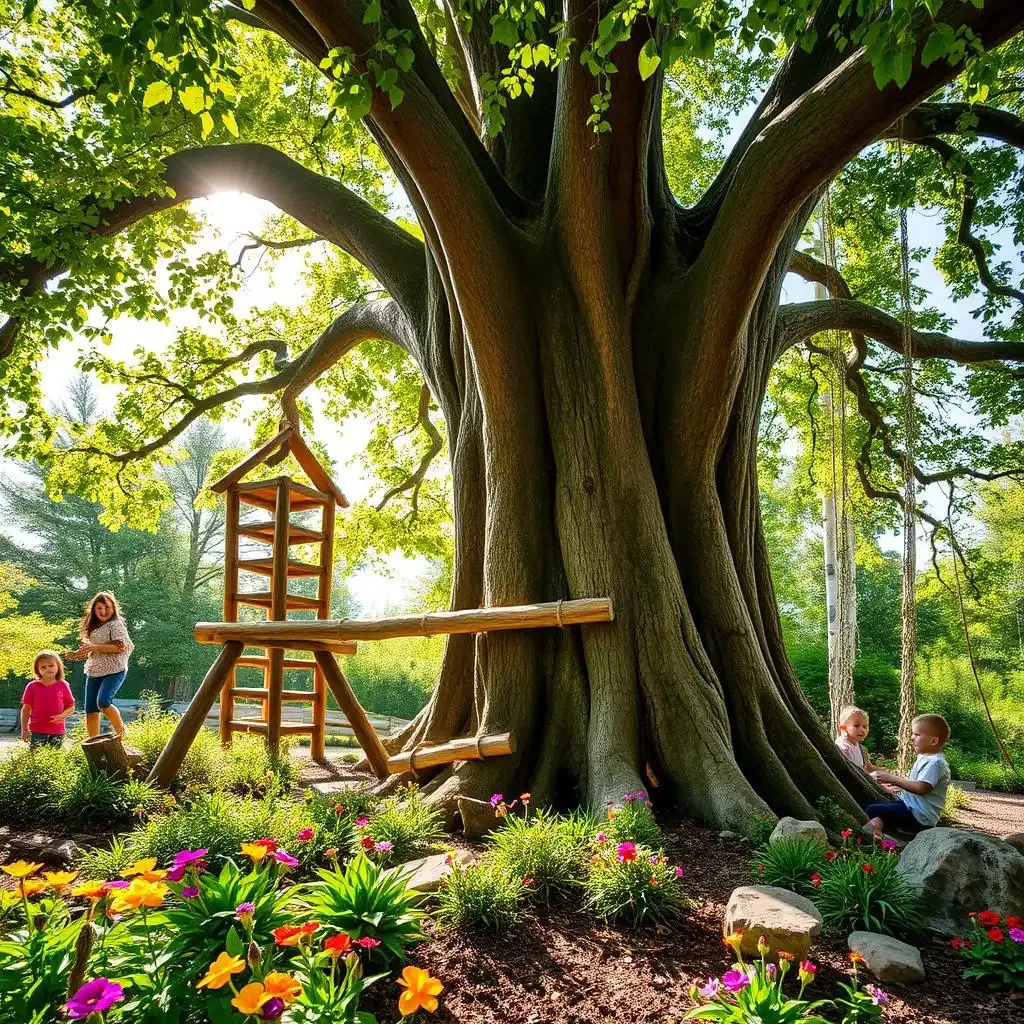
(924, 792)
(46, 703)
(853, 730)
(106, 646)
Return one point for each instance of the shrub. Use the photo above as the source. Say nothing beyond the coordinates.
(866, 893)
(632, 885)
(550, 851)
(956, 799)
(790, 864)
(202, 767)
(994, 949)
(633, 822)
(831, 815)
(251, 770)
(366, 900)
(480, 896)
(761, 829)
(403, 827)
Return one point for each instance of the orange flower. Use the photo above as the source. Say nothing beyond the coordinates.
(250, 999)
(21, 869)
(90, 890)
(139, 894)
(421, 991)
(30, 886)
(291, 934)
(282, 986)
(336, 945)
(856, 958)
(146, 869)
(783, 955)
(734, 939)
(60, 879)
(220, 971)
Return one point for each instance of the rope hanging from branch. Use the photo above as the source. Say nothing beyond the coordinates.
(908, 601)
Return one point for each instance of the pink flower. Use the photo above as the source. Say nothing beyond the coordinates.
(846, 833)
(626, 852)
(679, 872)
(245, 910)
(601, 837)
(735, 980)
(95, 996)
(304, 835)
(384, 847)
(190, 892)
(189, 856)
(710, 988)
(496, 798)
(118, 883)
(285, 858)
(888, 845)
(367, 942)
(361, 822)
(771, 970)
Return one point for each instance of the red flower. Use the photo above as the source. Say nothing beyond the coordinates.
(289, 934)
(831, 855)
(816, 879)
(957, 943)
(987, 918)
(867, 869)
(269, 844)
(846, 833)
(760, 869)
(995, 934)
(1015, 922)
(366, 842)
(338, 944)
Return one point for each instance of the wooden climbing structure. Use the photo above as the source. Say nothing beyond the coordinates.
(325, 638)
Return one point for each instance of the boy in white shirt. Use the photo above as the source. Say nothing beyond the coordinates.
(924, 791)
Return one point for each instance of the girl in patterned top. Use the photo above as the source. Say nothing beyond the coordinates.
(106, 646)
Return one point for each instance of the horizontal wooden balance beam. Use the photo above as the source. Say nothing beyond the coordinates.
(293, 634)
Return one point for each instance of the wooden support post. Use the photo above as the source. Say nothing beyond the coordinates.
(353, 711)
(231, 515)
(317, 741)
(469, 748)
(169, 761)
(278, 612)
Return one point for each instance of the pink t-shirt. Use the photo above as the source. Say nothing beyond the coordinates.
(45, 702)
(851, 751)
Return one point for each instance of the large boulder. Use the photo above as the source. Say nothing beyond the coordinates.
(959, 872)
(793, 828)
(1016, 840)
(787, 920)
(888, 959)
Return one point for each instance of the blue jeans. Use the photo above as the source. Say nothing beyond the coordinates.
(895, 814)
(47, 739)
(101, 690)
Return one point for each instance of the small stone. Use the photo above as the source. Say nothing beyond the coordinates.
(478, 818)
(1016, 840)
(427, 873)
(793, 828)
(42, 847)
(726, 834)
(787, 920)
(888, 959)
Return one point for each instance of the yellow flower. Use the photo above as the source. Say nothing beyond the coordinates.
(90, 890)
(733, 940)
(59, 879)
(21, 869)
(282, 986)
(249, 999)
(139, 894)
(146, 869)
(221, 970)
(254, 852)
(421, 991)
(30, 886)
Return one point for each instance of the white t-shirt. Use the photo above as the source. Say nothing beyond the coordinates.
(851, 751)
(931, 768)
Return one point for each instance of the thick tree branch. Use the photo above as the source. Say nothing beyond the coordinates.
(13, 89)
(415, 479)
(964, 119)
(799, 320)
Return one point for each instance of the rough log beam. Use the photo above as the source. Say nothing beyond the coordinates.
(468, 748)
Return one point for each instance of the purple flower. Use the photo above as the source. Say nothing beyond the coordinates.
(710, 988)
(94, 996)
(244, 910)
(177, 873)
(653, 859)
(888, 845)
(1017, 934)
(496, 798)
(735, 980)
(360, 822)
(629, 798)
(118, 883)
(285, 858)
(601, 837)
(679, 872)
(384, 847)
(272, 1009)
(771, 970)
(190, 892)
(878, 996)
(189, 856)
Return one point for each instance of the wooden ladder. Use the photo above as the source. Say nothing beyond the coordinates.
(281, 496)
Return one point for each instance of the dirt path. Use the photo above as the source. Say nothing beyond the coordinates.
(995, 813)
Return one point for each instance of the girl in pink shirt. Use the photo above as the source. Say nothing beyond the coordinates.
(46, 703)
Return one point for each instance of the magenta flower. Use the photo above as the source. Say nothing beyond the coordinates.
(771, 970)
(244, 910)
(118, 883)
(601, 837)
(96, 996)
(710, 988)
(360, 822)
(367, 942)
(272, 1009)
(735, 980)
(285, 858)
(679, 872)
(625, 853)
(190, 892)
(496, 799)
(878, 996)
(386, 846)
(653, 859)
(304, 835)
(888, 845)
(177, 873)
(629, 798)
(189, 856)
(1017, 934)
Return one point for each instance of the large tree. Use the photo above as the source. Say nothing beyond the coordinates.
(597, 333)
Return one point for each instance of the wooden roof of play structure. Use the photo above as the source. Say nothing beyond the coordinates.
(286, 442)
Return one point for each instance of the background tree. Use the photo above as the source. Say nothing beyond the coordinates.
(598, 344)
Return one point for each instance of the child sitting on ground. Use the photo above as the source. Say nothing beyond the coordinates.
(853, 730)
(46, 703)
(924, 791)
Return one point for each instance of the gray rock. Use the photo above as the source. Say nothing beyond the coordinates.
(888, 959)
(788, 921)
(478, 818)
(726, 834)
(959, 872)
(1016, 840)
(793, 828)
(427, 873)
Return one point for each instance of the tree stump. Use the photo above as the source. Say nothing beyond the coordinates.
(109, 755)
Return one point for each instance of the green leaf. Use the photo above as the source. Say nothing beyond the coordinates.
(249, 5)
(648, 60)
(229, 122)
(157, 92)
(504, 31)
(937, 46)
(206, 122)
(395, 94)
(233, 943)
(193, 99)
(372, 15)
